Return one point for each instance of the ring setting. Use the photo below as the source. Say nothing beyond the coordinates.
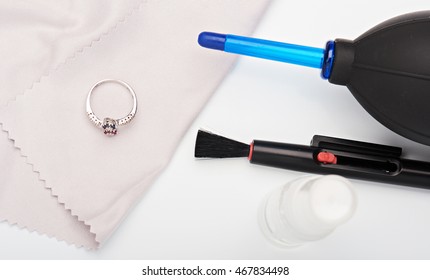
(110, 125)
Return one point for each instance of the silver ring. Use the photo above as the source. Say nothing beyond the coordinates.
(110, 125)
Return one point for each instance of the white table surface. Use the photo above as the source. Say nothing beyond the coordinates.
(207, 209)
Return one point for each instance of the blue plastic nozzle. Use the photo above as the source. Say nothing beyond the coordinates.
(289, 53)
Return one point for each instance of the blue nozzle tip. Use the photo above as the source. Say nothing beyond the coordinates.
(212, 40)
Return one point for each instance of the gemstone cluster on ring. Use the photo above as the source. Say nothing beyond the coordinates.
(110, 126)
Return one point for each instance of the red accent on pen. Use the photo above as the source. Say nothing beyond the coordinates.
(251, 150)
(326, 158)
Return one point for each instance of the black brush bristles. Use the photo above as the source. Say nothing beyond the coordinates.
(209, 145)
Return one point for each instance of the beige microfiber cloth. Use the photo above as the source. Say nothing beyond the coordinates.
(67, 179)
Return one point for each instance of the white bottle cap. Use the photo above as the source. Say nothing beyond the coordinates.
(307, 209)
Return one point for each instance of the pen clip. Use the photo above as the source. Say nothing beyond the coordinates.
(351, 146)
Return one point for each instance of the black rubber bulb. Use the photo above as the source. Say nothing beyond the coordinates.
(387, 69)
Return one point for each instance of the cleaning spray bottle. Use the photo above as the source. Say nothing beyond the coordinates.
(307, 209)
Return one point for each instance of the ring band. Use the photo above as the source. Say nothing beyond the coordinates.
(110, 125)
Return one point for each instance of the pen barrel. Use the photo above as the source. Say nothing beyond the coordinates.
(283, 155)
(414, 173)
(354, 165)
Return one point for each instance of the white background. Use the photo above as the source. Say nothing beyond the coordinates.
(207, 209)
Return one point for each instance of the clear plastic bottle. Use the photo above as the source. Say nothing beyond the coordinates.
(307, 209)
